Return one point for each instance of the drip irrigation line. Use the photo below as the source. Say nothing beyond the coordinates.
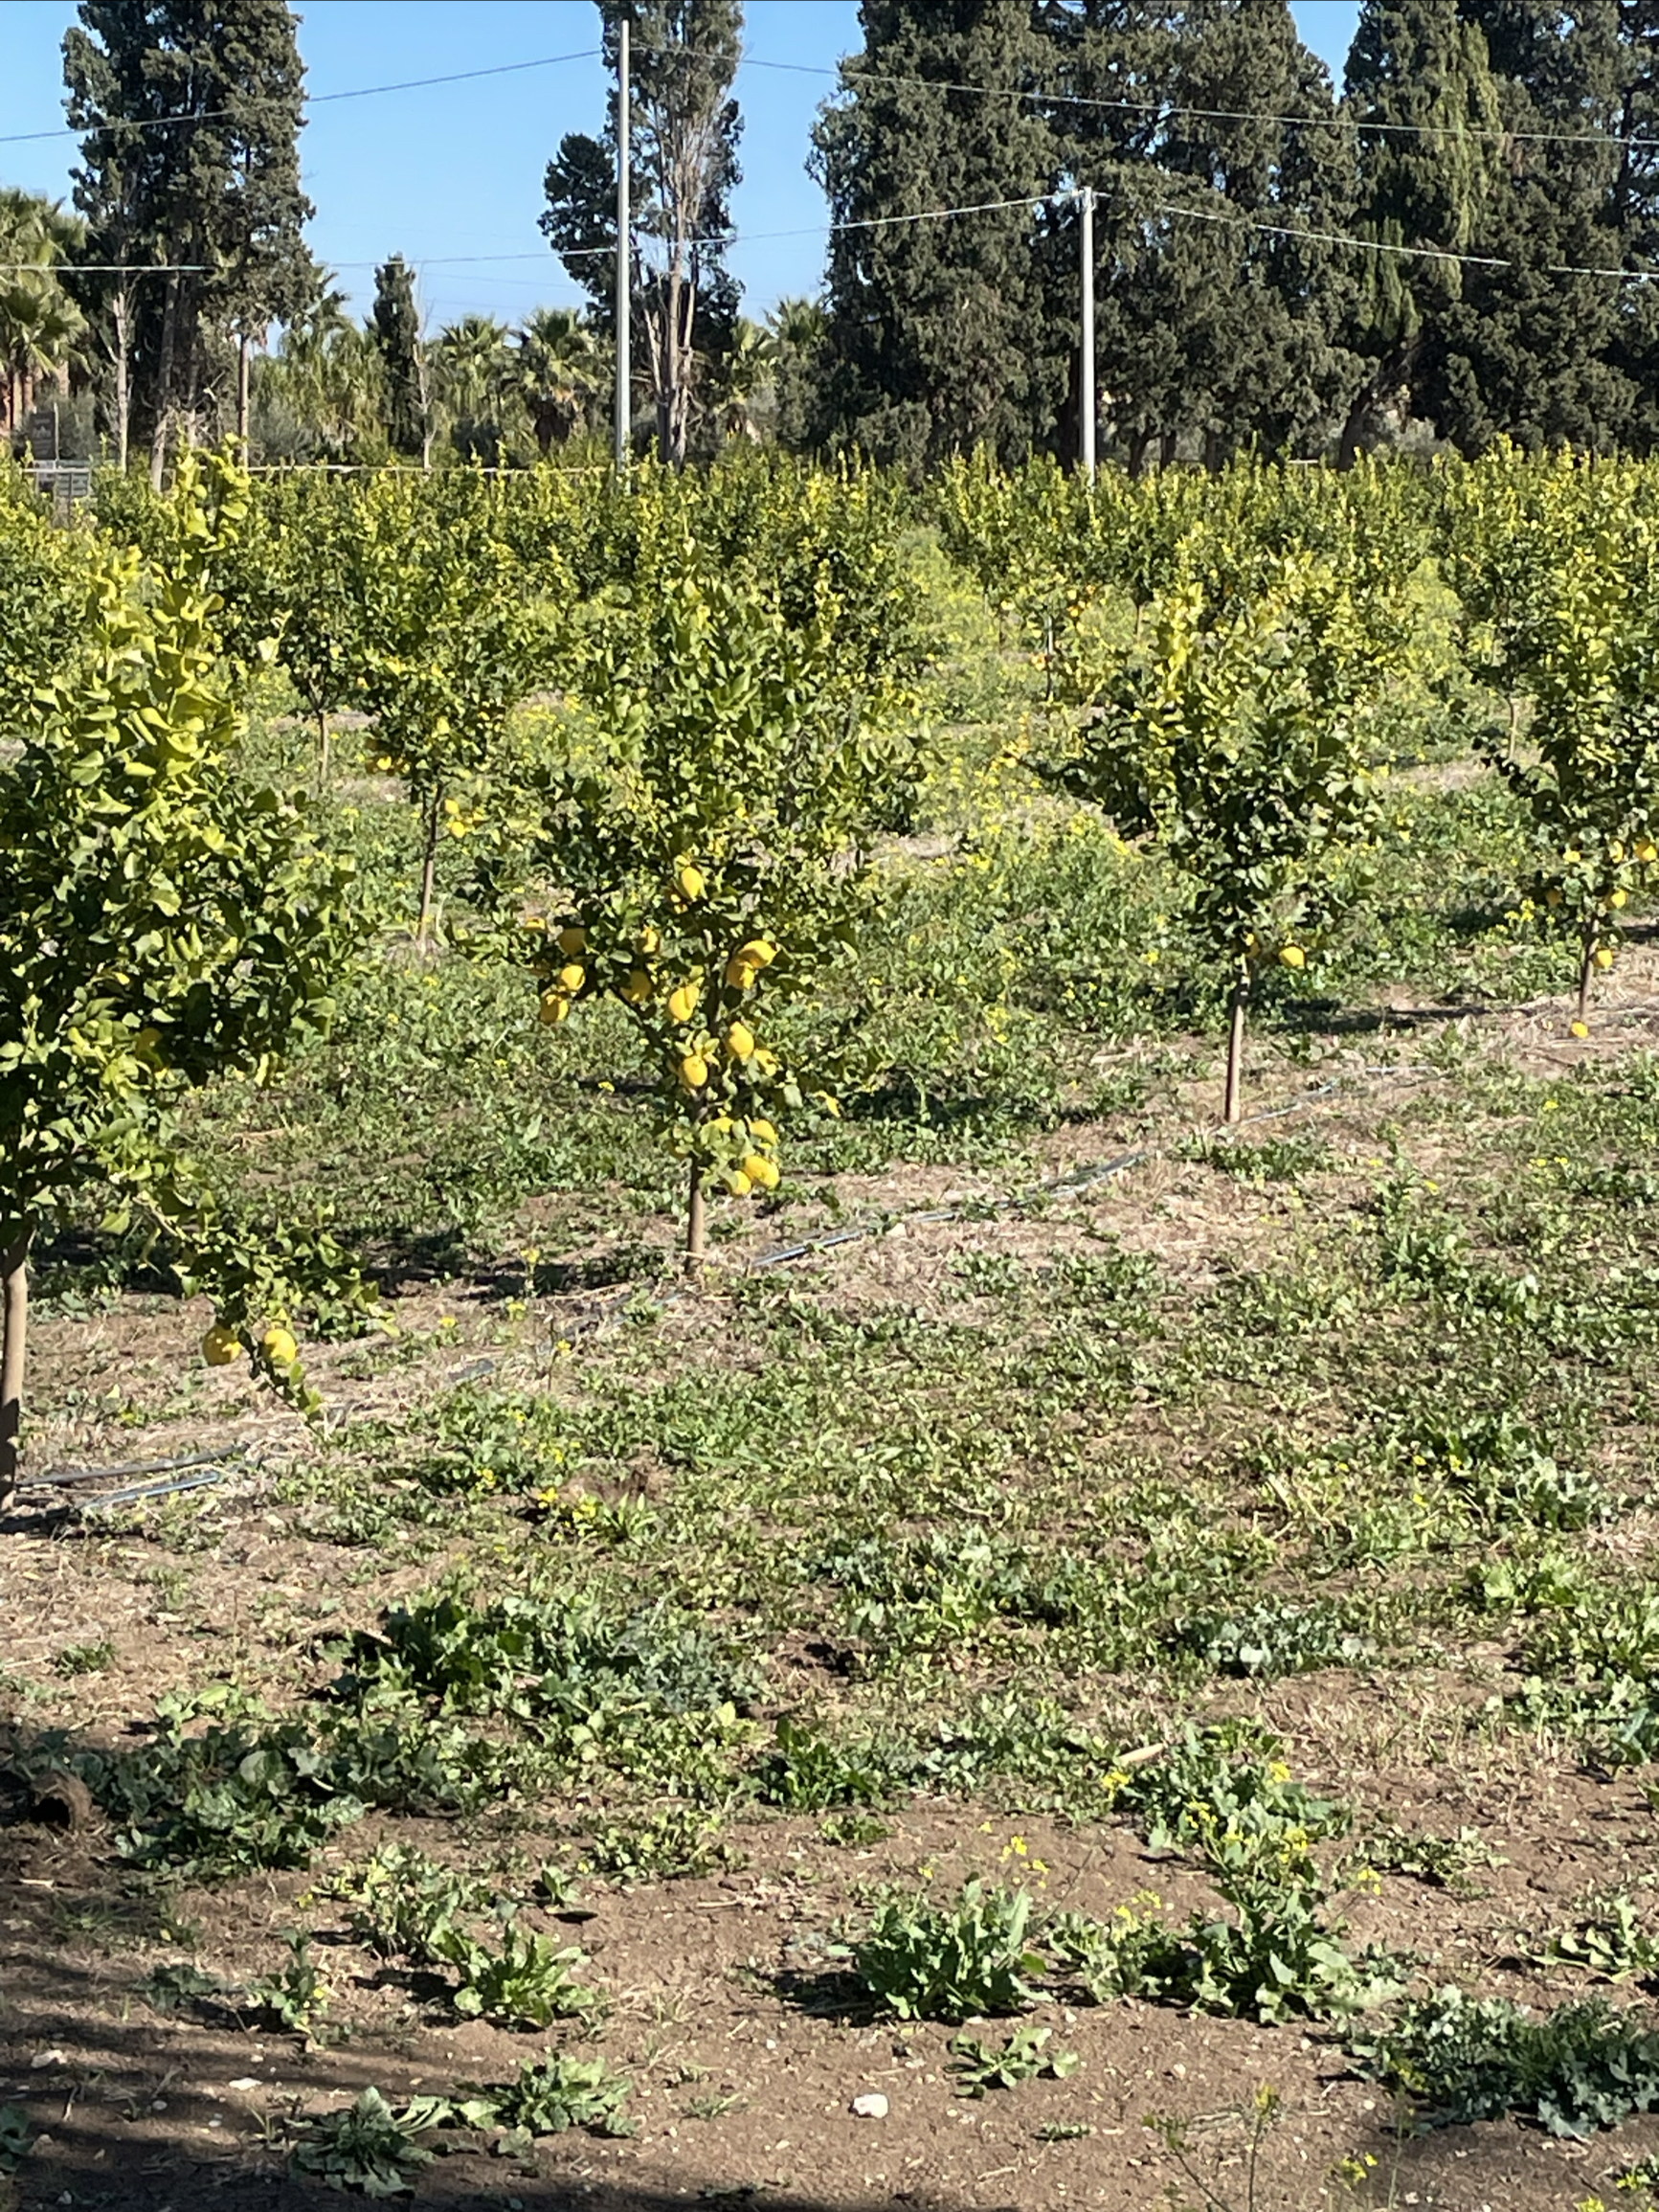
(143, 1492)
(55, 1477)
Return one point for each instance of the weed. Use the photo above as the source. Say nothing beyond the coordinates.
(550, 2094)
(1607, 1940)
(83, 1658)
(367, 2148)
(1458, 2059)
(172, 1988)
(299, 1997)
(1444, 1862)
(17, 2137)
(1273, 1638)
(671, 1842)
(808, 1772)
(528, 1982)
(1024, 2057)
(928, 1961)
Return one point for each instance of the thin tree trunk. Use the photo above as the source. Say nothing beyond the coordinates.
(163, 384)
(243, 351)
(13, 1337)
(1236, 1045)
(429, 866)
(1586, 970)
(694, 1217)
(321, 748)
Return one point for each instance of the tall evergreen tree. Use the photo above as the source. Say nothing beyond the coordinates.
(190, 112)
(1428, 128)
(938, 339)
(1526, 350)
(683, 139)
(395, 326)
(1221, 175)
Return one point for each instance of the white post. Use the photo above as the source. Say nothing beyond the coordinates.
(625, 287)
(1086, 383)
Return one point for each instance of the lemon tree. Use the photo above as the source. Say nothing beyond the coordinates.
(709, 834)
(1230, 730)
(1557, 568)
(163, 922)
(452, 637)
(294, 572)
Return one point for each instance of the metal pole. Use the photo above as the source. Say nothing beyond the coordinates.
(1086, 396)
(624, 302)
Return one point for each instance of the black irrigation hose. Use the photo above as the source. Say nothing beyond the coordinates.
(52, 1477)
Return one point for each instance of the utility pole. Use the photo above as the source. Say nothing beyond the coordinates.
(624, 285)
(1086, 381)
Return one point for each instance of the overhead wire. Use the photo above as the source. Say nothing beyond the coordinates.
(311, 98)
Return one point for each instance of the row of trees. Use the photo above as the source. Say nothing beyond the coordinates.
(1523, 134)
(1444, 245)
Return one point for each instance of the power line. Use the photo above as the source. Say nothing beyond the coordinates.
(1337, 121)
(313, 99)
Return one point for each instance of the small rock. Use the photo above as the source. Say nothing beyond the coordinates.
(871, 2106)
(47, 2058)
(243, 2082)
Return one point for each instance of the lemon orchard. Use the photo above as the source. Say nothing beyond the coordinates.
(1229, 729)
(714, 859)
(1557, 569)
(163, 921)
(452, 635)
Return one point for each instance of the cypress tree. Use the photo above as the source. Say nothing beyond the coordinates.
(937, 330)
(396, 327)
(190, 112)
(1526, 351)
(1428, 130)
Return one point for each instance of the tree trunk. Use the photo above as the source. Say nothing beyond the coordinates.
(14, 1336)
(321, 748)
(164, 383)
(1236, 1045)
(243, 351)
(694, 1218)
(429, 866)
(1586, 970)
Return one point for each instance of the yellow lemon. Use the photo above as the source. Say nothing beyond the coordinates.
(278, 1346)
(650, 937)
(556, 1006)
(221, 1346)
(741, 1038)
(1618, 899)
(741, 1186)
(1292, 956)
(1603, 955)
(761, 1172)
(763, 1132)
(1646, 851)
(758, 953)
(1580, 1028)
(693, 882)
(637, 990)
(740, 975)
(1615, 852)
(683, 1001)
(573, 976)
(832, 1105)
(1571, 854)
(572, 940)
(694, 1070)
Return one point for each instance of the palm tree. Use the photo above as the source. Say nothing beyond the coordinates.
(328, 378)
(562, 364)
(41, 327)
(744, 372)
(474, 370)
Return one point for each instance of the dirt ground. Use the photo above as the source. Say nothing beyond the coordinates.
(746, 2048)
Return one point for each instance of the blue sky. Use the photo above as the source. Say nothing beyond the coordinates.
(451, 176)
